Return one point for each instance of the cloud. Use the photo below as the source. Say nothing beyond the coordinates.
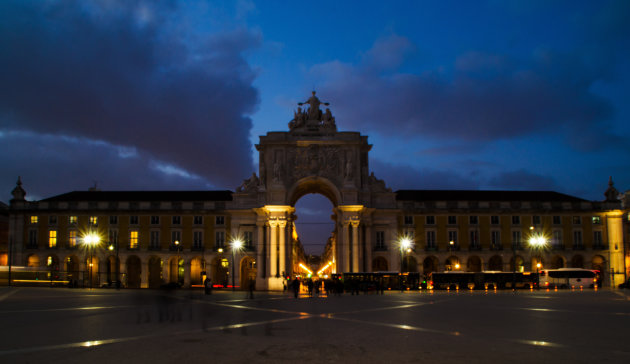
(479, 96)
(129, 74)
(522, 180)
(52, 164)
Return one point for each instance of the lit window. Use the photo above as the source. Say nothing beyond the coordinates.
(52, 238)
(93, 220)
(73, 220)
(72, 238)
(49, 261)
(225, 263)
(597, 220)
(33, 219)
(133, 239)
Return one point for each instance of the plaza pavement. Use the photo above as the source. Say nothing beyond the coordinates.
(61, 325)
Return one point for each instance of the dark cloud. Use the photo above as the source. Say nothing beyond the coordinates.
(480, 96)
(128, 74)
(401, 177)
(522, 180)
(43, 163)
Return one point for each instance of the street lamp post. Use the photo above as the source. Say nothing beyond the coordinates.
(91, 240)
(111, 248)
(177, 247)
(538, 242)
(405, 246)
(236, 245)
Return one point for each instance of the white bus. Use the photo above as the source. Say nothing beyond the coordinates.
(569, 278)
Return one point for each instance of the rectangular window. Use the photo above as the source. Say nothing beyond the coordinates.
(248, 238)
(430, 220)
(577, 220)
(93, 220)
(536, 220)
(557, 239)
(52, 220)
(198, 239)
(72, 220)
(597, 220)
(452, 220)
(198, 220)
(34, 219)
(133, 220)
(516, 220)
(380, 240)
(597, 239)
(113, 220)
(219, 220)
(177, 220)
(494, 220)
(516, 239)
(72, 239)
(219, 239)
(52, 239)
(452, 238)
(495, 237)
(155, 220)
(133, 239)
(408, 220)
(32, 238)
(557, 220)
(176, 235)
(113, 237)
(474, 238)
(431, 239)
(473, 220)
(155, 239)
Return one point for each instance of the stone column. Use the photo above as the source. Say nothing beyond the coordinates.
(355, 245)
(273, 248)
(282, 244)
(615, 247)
(260, 273)
(368, 248)
(345, 247)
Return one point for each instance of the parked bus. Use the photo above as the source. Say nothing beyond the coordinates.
(482, 280)
(387, 280)
(569, 277)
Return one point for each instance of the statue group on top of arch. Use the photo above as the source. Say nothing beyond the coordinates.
(313, 118)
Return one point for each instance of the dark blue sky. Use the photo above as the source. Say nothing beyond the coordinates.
(452, 94)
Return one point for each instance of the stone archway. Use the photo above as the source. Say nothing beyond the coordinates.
(32, 261)
(557, 262)
(577, 261)
(247, 271)
(379, 264)
(409, 264)
(474, 264)
(495, 263)
(134, 271)
(517, 264)
(452, 263)
(599, 263)
(73, 269)
(429, 265)
(220, 268)
(196, 269)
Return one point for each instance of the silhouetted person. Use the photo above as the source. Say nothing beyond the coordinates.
(207, 284)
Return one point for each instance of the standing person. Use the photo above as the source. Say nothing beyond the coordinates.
(207, 284)
(296, 287)
(252, 286)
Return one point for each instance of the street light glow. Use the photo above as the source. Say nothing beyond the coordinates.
(91, 239)
(537, 241)
(237, 244)
(405, 243)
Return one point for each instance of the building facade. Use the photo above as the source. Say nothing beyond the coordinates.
(151, 238)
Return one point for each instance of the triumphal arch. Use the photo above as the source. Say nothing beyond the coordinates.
(314, 157)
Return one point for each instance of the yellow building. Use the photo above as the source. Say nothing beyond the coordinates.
(152, 238)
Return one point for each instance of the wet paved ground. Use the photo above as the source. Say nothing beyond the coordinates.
(50, 325)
